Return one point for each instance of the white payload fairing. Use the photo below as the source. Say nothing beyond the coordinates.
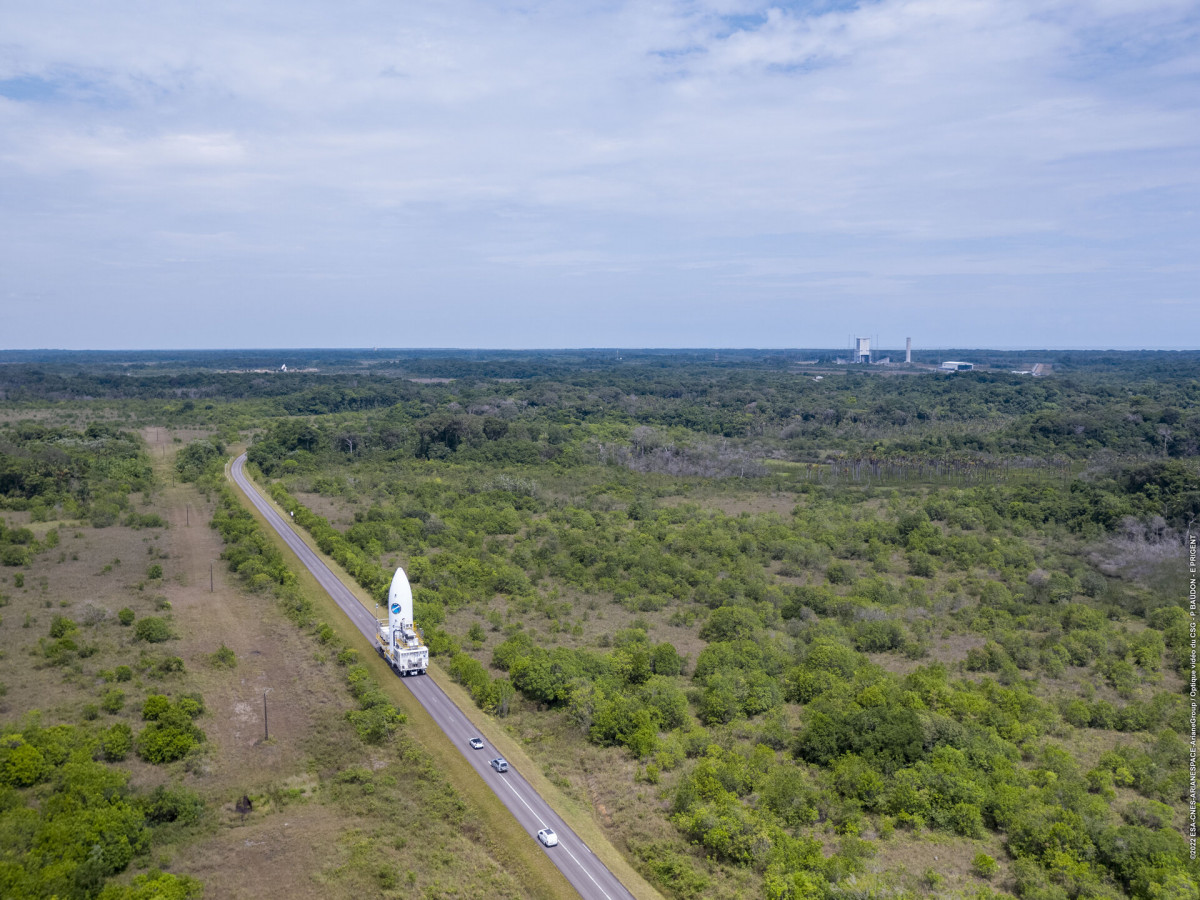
(400, 602)
(399, 643)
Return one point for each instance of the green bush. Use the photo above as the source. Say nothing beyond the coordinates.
(81, 828)
(168, 665)
(153, 630)
(984, 866)
(665, 659)
(155, 885)
(15, 555)
(21, 764)
(375, 723)
(155, 571)
(116, 742)
(113, 702)
(730, 623)
(168, 739)
(61, 626)
(180, 805)
(155, 707)
(126, 616)
(223, 658)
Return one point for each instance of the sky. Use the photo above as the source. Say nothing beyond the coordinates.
(968, 173)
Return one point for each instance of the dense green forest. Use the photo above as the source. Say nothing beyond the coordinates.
(830, 622)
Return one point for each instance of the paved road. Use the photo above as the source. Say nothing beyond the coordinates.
(586, 873)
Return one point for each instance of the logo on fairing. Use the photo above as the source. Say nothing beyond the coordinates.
(395, 609)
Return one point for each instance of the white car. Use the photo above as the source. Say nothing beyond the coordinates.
(499, 764)
(476, 743)
(548, 837)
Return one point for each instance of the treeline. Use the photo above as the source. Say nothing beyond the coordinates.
(966, 429)
(59, 473)
(753, 400)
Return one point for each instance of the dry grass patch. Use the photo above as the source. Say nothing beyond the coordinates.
(909, 857)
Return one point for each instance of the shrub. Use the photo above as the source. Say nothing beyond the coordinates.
(21, 764)
(665, 659)
(155, 571)
(984, 866)
(730, 623)
(126, 616)
(155, 885)
(172, 736)
(191, 704)
(172, 805)
(839, 573)
(61, 626)
(155, 707)
(921, 564)
(168, 665)
(376, 723)
(123, 673)
(966, 819)
(113, 701)
(116, 742)
(153, 630)
(223, 658)
(15, 555)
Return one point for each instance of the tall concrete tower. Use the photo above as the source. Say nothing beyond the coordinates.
(862, 350)
(908, 350)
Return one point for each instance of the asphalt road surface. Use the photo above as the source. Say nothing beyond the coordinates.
(586, 873)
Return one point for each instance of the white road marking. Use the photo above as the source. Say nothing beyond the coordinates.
(581, 866)
(586, 872)
(516, 793)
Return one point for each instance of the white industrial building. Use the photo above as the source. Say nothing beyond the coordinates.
(862, 350)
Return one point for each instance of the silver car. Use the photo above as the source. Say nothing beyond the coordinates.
(548, 837)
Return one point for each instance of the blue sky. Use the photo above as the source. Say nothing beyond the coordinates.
(572, 174)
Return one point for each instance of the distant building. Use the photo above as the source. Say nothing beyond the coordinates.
(862, 350)
(954, 365)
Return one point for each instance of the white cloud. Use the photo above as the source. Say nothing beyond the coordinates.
(438, 152)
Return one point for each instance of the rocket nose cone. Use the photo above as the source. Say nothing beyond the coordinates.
(399, 581)
(400, 595)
